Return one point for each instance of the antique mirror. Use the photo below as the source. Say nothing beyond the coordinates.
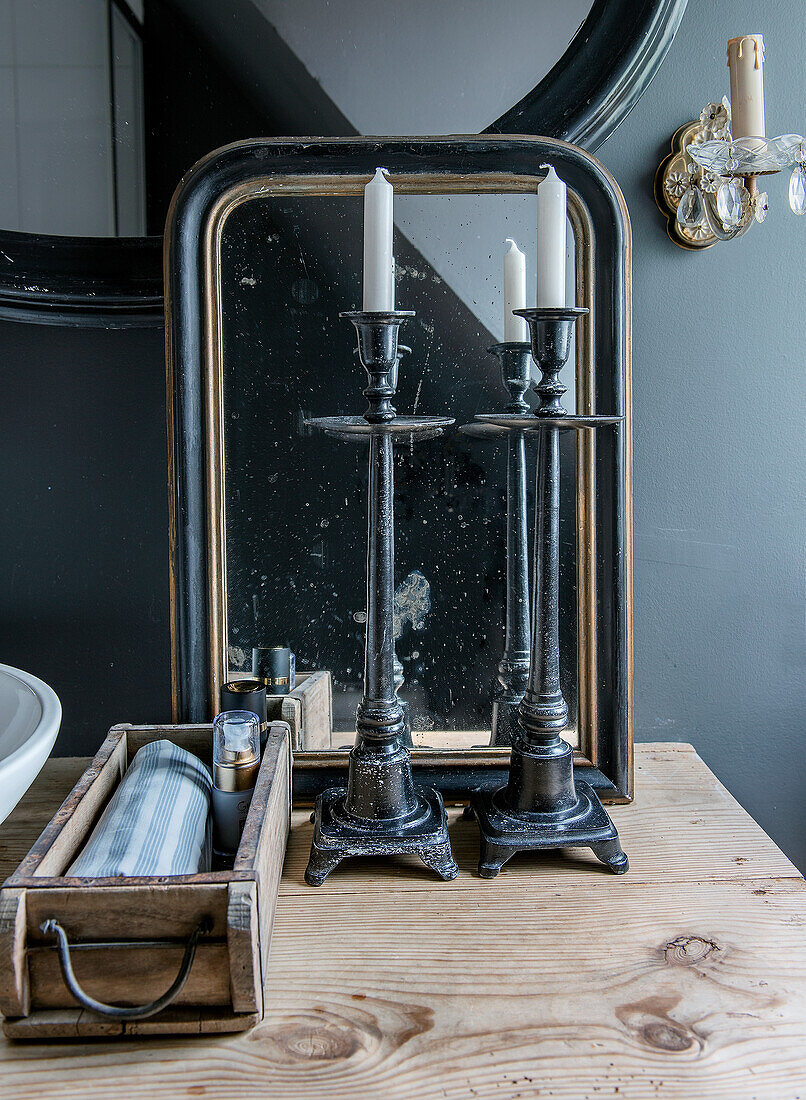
(264, 251)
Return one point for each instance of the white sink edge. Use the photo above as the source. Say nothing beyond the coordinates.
(19, 769)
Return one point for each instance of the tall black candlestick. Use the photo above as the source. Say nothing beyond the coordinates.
(381, 811)
(541, 805)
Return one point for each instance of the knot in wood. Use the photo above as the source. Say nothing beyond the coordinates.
(689, 950)
(319, 1044)
(665, 1036)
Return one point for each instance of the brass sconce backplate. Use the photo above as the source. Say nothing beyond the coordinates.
(671, 180)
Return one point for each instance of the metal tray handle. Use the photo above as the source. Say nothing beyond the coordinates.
(121, 1012)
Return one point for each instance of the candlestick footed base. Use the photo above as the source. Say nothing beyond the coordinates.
(540, 808)
(338, 835)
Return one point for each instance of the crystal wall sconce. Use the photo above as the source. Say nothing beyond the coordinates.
(708, 186)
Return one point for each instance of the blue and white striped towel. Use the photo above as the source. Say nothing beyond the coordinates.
(157, 822)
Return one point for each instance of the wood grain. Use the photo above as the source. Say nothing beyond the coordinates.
(694, 996)
(75, 1023)
(130, 975)
(114, 912)
(264, 843)
(683, 980)
(260, 854)
(15, 994)
(70, 826)
(313, 697)
(243, 948)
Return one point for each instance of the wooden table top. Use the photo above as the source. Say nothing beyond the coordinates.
(685, 978)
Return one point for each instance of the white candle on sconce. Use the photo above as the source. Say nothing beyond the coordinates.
(379, 272)
(746, 64)
(551, 215)
(515, 328)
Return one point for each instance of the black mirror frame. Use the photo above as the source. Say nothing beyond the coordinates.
(240, 171)
(118, 282)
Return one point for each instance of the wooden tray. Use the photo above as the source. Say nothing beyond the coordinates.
(131, 933)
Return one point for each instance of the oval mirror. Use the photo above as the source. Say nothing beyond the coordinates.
(113, 100)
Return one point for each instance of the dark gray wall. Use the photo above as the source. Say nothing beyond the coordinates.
(84, 521)
(720, 445)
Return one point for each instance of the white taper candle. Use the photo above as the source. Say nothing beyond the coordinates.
(551, 214)
(515, 328)
(379, 284)
(746, 64)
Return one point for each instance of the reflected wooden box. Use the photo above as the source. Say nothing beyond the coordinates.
(308, 710)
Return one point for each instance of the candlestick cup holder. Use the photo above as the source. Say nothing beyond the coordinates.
(542, 806)
(381, 811)
(513, 671)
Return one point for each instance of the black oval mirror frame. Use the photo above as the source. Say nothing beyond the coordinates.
(117, 281)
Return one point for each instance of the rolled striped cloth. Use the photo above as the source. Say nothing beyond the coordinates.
(158, 821)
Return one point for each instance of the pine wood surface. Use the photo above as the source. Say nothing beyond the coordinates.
(685, 978)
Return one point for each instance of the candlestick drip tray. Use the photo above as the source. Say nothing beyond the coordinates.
(529, 422)
(357, 427)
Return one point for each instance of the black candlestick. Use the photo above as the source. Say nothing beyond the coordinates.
(381, 811)
(513, 670)
(541, 806)
(400, 673)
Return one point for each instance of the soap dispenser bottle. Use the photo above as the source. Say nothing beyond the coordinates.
(236, 761)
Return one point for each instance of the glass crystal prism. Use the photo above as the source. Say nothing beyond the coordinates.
(730, 202)
(797, 190)
(690, 210)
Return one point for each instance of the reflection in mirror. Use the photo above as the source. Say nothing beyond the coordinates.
(115, 100)
(71, 90)
(387, 66)
(296, 500)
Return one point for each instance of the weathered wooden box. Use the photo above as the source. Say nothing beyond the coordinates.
(130, 934)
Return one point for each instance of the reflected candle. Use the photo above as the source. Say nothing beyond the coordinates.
(551, 213)
(379, 286)
(515, 328)
(746, 64)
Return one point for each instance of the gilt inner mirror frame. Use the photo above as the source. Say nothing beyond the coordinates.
(228, 340)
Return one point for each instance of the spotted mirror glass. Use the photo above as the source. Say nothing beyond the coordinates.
(295, 500)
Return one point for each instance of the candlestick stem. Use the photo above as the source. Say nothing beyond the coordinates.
(544, 710)
(513, 669)
(379, 719)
